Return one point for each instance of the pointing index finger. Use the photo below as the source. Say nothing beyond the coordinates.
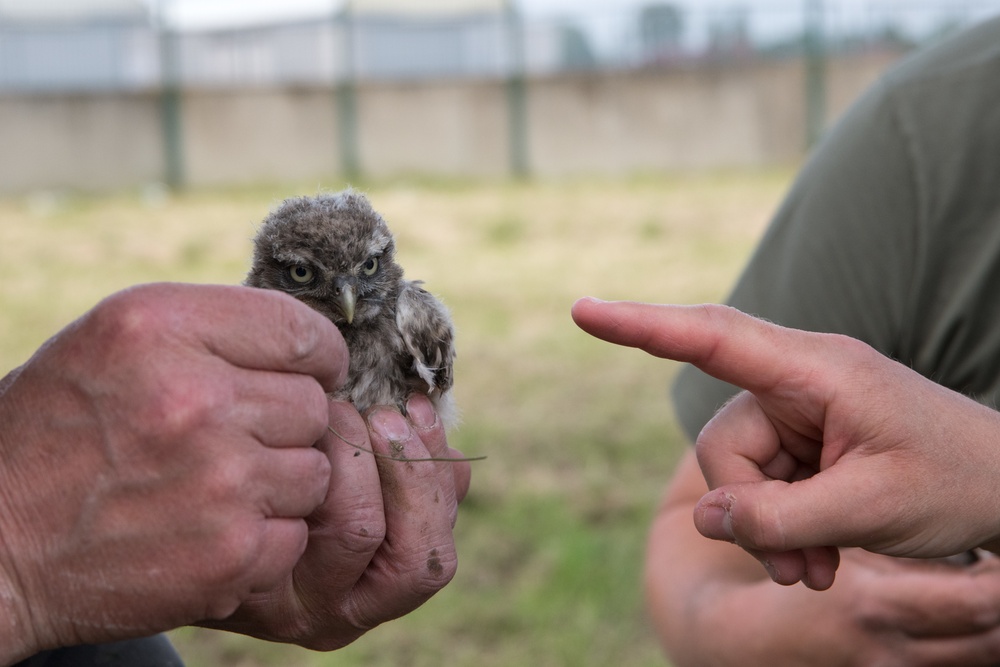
(722, 341)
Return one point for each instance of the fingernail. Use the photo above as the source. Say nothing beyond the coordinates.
(772, 571)
(421, 411)
(717, 523)
(390, 425)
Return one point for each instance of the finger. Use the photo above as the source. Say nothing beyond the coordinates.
(291, 482)
(281, 409)
(821, 567)
(263, 330)
(432, 433)
(418, 555)
(979, 649)
(739, 443)
(281, 545)
(434, 495)
(347, 529)
(788, 527)
(463, 475)
(937, 602)
(777, 516)
(420, 412)
(349, 526)
(816, 567)
(721, 341)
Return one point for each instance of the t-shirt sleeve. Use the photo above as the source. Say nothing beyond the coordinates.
(838, 255)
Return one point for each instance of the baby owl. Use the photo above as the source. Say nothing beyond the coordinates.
(336, 254)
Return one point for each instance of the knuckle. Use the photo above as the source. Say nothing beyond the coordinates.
(302, 335)
(327, 644)
(320, 470)
(759, 525)
(433, 571)
(306, 332)
(232, 555)
(179, 408)
(866, 358)
(227, 480)
(362, 536)
(313, 476)
(220, 607)
(977, 607)
(302, 627)
(130, 317)
(316, 409)
(416, 577)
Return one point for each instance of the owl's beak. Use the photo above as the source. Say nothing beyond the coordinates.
(346, 300)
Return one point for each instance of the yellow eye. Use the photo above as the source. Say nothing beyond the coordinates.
(301, 274)
(371, 266)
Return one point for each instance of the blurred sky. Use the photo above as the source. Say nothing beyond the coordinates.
(234, 12)
(606, 21)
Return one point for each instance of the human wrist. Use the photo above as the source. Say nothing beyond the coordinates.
(17, 638)
(18, 635)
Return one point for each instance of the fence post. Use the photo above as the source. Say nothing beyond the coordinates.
(347, 99)
(517, 92)
(815, 71)
(171, 111)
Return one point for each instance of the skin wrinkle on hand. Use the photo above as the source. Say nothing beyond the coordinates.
(16, 630)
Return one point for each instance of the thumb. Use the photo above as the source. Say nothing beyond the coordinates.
(788, 527)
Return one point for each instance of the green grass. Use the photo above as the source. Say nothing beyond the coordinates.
(580, 435)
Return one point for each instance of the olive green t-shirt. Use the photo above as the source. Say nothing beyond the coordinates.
(891, 232)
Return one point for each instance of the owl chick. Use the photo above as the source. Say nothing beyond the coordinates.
(336, 254)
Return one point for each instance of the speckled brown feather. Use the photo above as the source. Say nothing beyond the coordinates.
(401, 339)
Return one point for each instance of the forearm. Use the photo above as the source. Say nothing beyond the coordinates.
(18, 638)
(685, 571)
(15, 640)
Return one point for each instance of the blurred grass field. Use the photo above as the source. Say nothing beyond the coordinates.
(580, 435)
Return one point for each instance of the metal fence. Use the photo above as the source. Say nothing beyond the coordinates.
(143, 52)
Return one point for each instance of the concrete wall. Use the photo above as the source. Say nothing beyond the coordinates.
(92, 142)
(258, 135)
(711, 116)
(456, 128)
(652, 121)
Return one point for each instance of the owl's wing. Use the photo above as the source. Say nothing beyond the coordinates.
(425, 325)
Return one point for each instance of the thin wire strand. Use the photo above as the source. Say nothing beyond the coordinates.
(401, 459)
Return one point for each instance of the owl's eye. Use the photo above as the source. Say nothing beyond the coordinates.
(371, 266)
(301, 274)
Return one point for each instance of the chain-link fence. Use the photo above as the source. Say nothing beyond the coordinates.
(142, 45)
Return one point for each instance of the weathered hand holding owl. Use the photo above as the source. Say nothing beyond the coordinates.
(198, 419)
(191, 422)
(335, 253)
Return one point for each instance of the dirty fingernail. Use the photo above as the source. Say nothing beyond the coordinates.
(421, 412)
(390, 425)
